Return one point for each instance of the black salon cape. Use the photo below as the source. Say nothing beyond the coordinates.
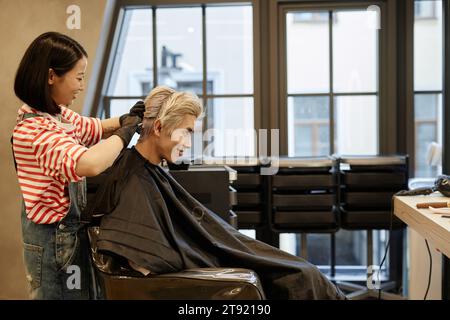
(152, 221)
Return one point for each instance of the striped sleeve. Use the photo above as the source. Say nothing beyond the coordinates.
(89, 129)
(57, 153)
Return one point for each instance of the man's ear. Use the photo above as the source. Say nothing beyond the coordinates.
(157, 128)
(51, 76)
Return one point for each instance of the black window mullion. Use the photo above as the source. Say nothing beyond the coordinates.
(204, 52)
(107, 107)
(207, 112)
(331, 96)
(155, 48)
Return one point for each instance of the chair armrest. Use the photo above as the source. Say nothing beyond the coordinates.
(118, 282)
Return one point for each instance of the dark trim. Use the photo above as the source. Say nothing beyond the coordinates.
(211, 96)
(331, 66)
(282, 87)
(264, 60)
(91, 101)
(387, 85)
(155, 48)
(204, 59)
(344, 94)
(429, 92)
(446, 88)
(177, 3)
(446, 128)
(445, 278)
(256, 26)
(104, 70)
(405, 81)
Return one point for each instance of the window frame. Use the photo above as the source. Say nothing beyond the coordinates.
(386, 57)
(102, 99)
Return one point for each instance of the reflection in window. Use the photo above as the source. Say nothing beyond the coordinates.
(299, 17)
(311, 124)
(425, 9)
(356, 129)
(179, 47)
(230, 127)
(427, 111)
(179, 63)
(133, 60)
(355, 53)
(307, 49)
(346, 94)
(229, 32)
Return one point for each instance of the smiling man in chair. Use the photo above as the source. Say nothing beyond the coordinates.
(149, 218)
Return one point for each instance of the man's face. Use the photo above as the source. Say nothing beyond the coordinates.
(172, 146)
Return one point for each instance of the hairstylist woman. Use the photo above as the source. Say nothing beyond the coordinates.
(54, 149)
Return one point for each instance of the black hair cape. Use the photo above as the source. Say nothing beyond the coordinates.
(153, 221)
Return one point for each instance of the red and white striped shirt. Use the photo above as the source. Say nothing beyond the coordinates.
(46, 151)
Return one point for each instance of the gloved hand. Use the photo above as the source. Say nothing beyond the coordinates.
(128, 127)
(137, 110)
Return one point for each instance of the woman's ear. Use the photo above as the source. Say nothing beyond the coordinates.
(51, 76)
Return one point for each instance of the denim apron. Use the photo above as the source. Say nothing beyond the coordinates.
(56, 256)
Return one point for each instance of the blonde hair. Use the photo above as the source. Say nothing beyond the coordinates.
(170, 107)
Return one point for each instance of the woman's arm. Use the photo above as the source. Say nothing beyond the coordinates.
(109, 126)
(99, 157)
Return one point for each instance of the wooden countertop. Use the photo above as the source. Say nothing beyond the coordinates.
(429, 225)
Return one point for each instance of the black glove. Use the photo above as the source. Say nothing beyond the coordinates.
(128, 127)
(137, 110)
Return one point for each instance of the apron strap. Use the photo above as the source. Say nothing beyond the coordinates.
(23, 117)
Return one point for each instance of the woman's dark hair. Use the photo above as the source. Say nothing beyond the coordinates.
(51, 50)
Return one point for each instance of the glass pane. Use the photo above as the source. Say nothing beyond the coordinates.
(288, 243)
(180, 48)
(351, 247)
(230, 127)
(428, 45)
(319, 249)
(355, 52)
(307, 48)
(308, 126)
(229, 32)
(120, 106)
(356, 125)
(132, 72)
(428, 123)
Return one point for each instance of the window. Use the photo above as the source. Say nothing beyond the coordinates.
(214, 61)
(426, 9)
(332, 106)
(428, 42)
(332, 83)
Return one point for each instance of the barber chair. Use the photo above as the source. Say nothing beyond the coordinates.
(116, 280)
(365, 202)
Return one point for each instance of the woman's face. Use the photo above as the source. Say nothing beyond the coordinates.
(65, 89)
(172, 146)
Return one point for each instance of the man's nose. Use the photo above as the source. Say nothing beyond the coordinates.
(187, 143)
